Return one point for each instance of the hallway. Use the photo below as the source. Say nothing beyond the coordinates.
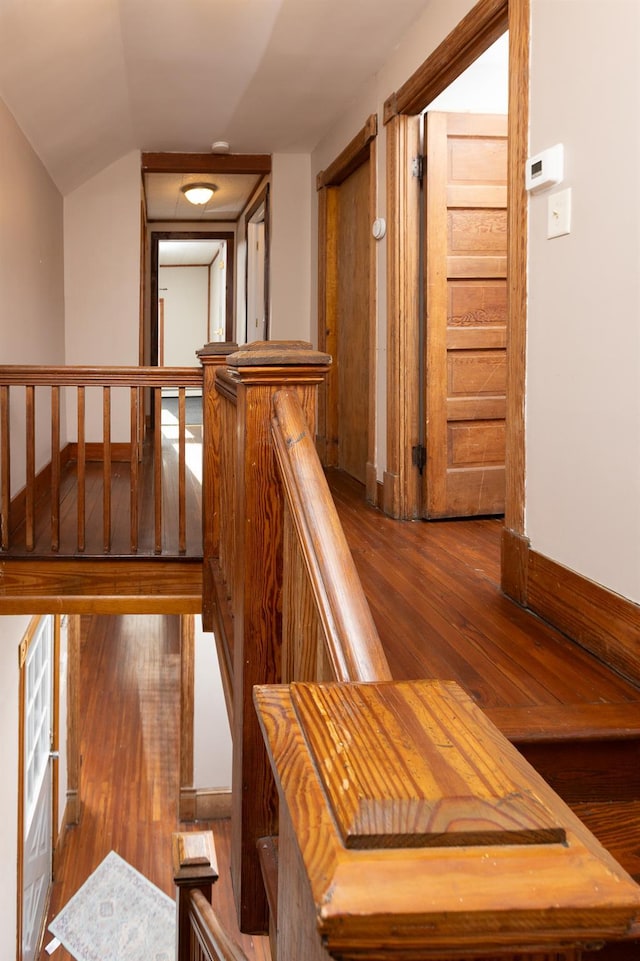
(129, 741)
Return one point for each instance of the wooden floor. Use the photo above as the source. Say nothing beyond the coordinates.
(434, 593)
(130, 669)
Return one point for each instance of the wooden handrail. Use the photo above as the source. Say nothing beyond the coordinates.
(209, 940)
(353, 645)
(41, 376)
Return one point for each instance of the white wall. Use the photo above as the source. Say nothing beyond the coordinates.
(102, 280)
(211, 735)
(583, 375)
(31, 279)
(289, 265)
(12, 630)
(186, 308)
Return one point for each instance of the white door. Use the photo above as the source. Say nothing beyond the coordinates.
(38, 798)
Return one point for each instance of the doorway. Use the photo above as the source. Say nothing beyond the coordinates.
(193, 275)
(483, 25)
(464, 292)
(257, 288)
(347, 309)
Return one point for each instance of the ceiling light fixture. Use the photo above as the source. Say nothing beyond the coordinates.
(198, 194)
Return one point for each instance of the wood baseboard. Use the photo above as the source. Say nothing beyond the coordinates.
(599, 620)
(94, 452)
(204, 804)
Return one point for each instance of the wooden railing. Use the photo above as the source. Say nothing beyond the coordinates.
(408, 826)
(200, 935)
(64, 393)
(328, 632)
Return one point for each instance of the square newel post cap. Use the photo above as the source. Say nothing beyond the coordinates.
(421, 828)
(278, 353)
(194, 859)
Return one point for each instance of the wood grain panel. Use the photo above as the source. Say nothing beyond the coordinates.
(476, 372)
(476, 443)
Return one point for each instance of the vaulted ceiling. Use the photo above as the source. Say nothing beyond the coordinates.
(90, 80)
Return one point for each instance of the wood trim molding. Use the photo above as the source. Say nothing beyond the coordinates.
(197, 163)
(513, 565)
(187, 701)
(596, 618)
(204, 804)
(603, 622)
(353, 156)
(401, 483)
(517, 228)
(72, 810)
(471, 37)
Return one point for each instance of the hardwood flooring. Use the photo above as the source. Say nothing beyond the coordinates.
(130, 669)
(434, 591)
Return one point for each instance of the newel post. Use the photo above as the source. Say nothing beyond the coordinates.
(255, 373)
(194, 868)
(213, 357)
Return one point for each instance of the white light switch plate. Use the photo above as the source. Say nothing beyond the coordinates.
(559, 213)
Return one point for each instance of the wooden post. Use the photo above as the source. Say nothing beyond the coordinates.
(212, 356)
(411, 828)
(255, 373)
(194, 866)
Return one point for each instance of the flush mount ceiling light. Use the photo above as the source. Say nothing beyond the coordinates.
(198, 194)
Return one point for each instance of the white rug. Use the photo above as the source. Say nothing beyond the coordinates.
(117, 915)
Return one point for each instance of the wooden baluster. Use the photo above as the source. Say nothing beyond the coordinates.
(55, 468)
(106, 469)
(157, 468)
(81, 471)
(5, 465)
(134, 472)
(31, 468)
(182, 513)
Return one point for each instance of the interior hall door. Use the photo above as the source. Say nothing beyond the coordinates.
(465, 300)
(37, 793)
(352, 320)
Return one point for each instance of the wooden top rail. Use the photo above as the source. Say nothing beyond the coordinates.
(353, 645)
(40, 376)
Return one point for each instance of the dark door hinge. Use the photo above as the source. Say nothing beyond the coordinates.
(419, 456)
(417, 167)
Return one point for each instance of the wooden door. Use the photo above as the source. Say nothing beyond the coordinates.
(37, 788)
(465, 296)
(352, 320)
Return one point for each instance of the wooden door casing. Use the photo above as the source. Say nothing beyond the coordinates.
(466, 314)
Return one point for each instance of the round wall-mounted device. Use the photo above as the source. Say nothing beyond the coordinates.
(379, 228)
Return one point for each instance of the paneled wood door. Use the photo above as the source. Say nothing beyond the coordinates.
(465, 297)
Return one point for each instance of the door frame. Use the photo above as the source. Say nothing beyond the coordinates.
(359, 150)
(484, 23)
(155, 237)
(262, 200)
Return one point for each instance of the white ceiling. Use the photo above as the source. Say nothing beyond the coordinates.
(188, 253)
(90, 80)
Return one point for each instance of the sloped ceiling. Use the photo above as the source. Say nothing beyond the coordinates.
(90, 80)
